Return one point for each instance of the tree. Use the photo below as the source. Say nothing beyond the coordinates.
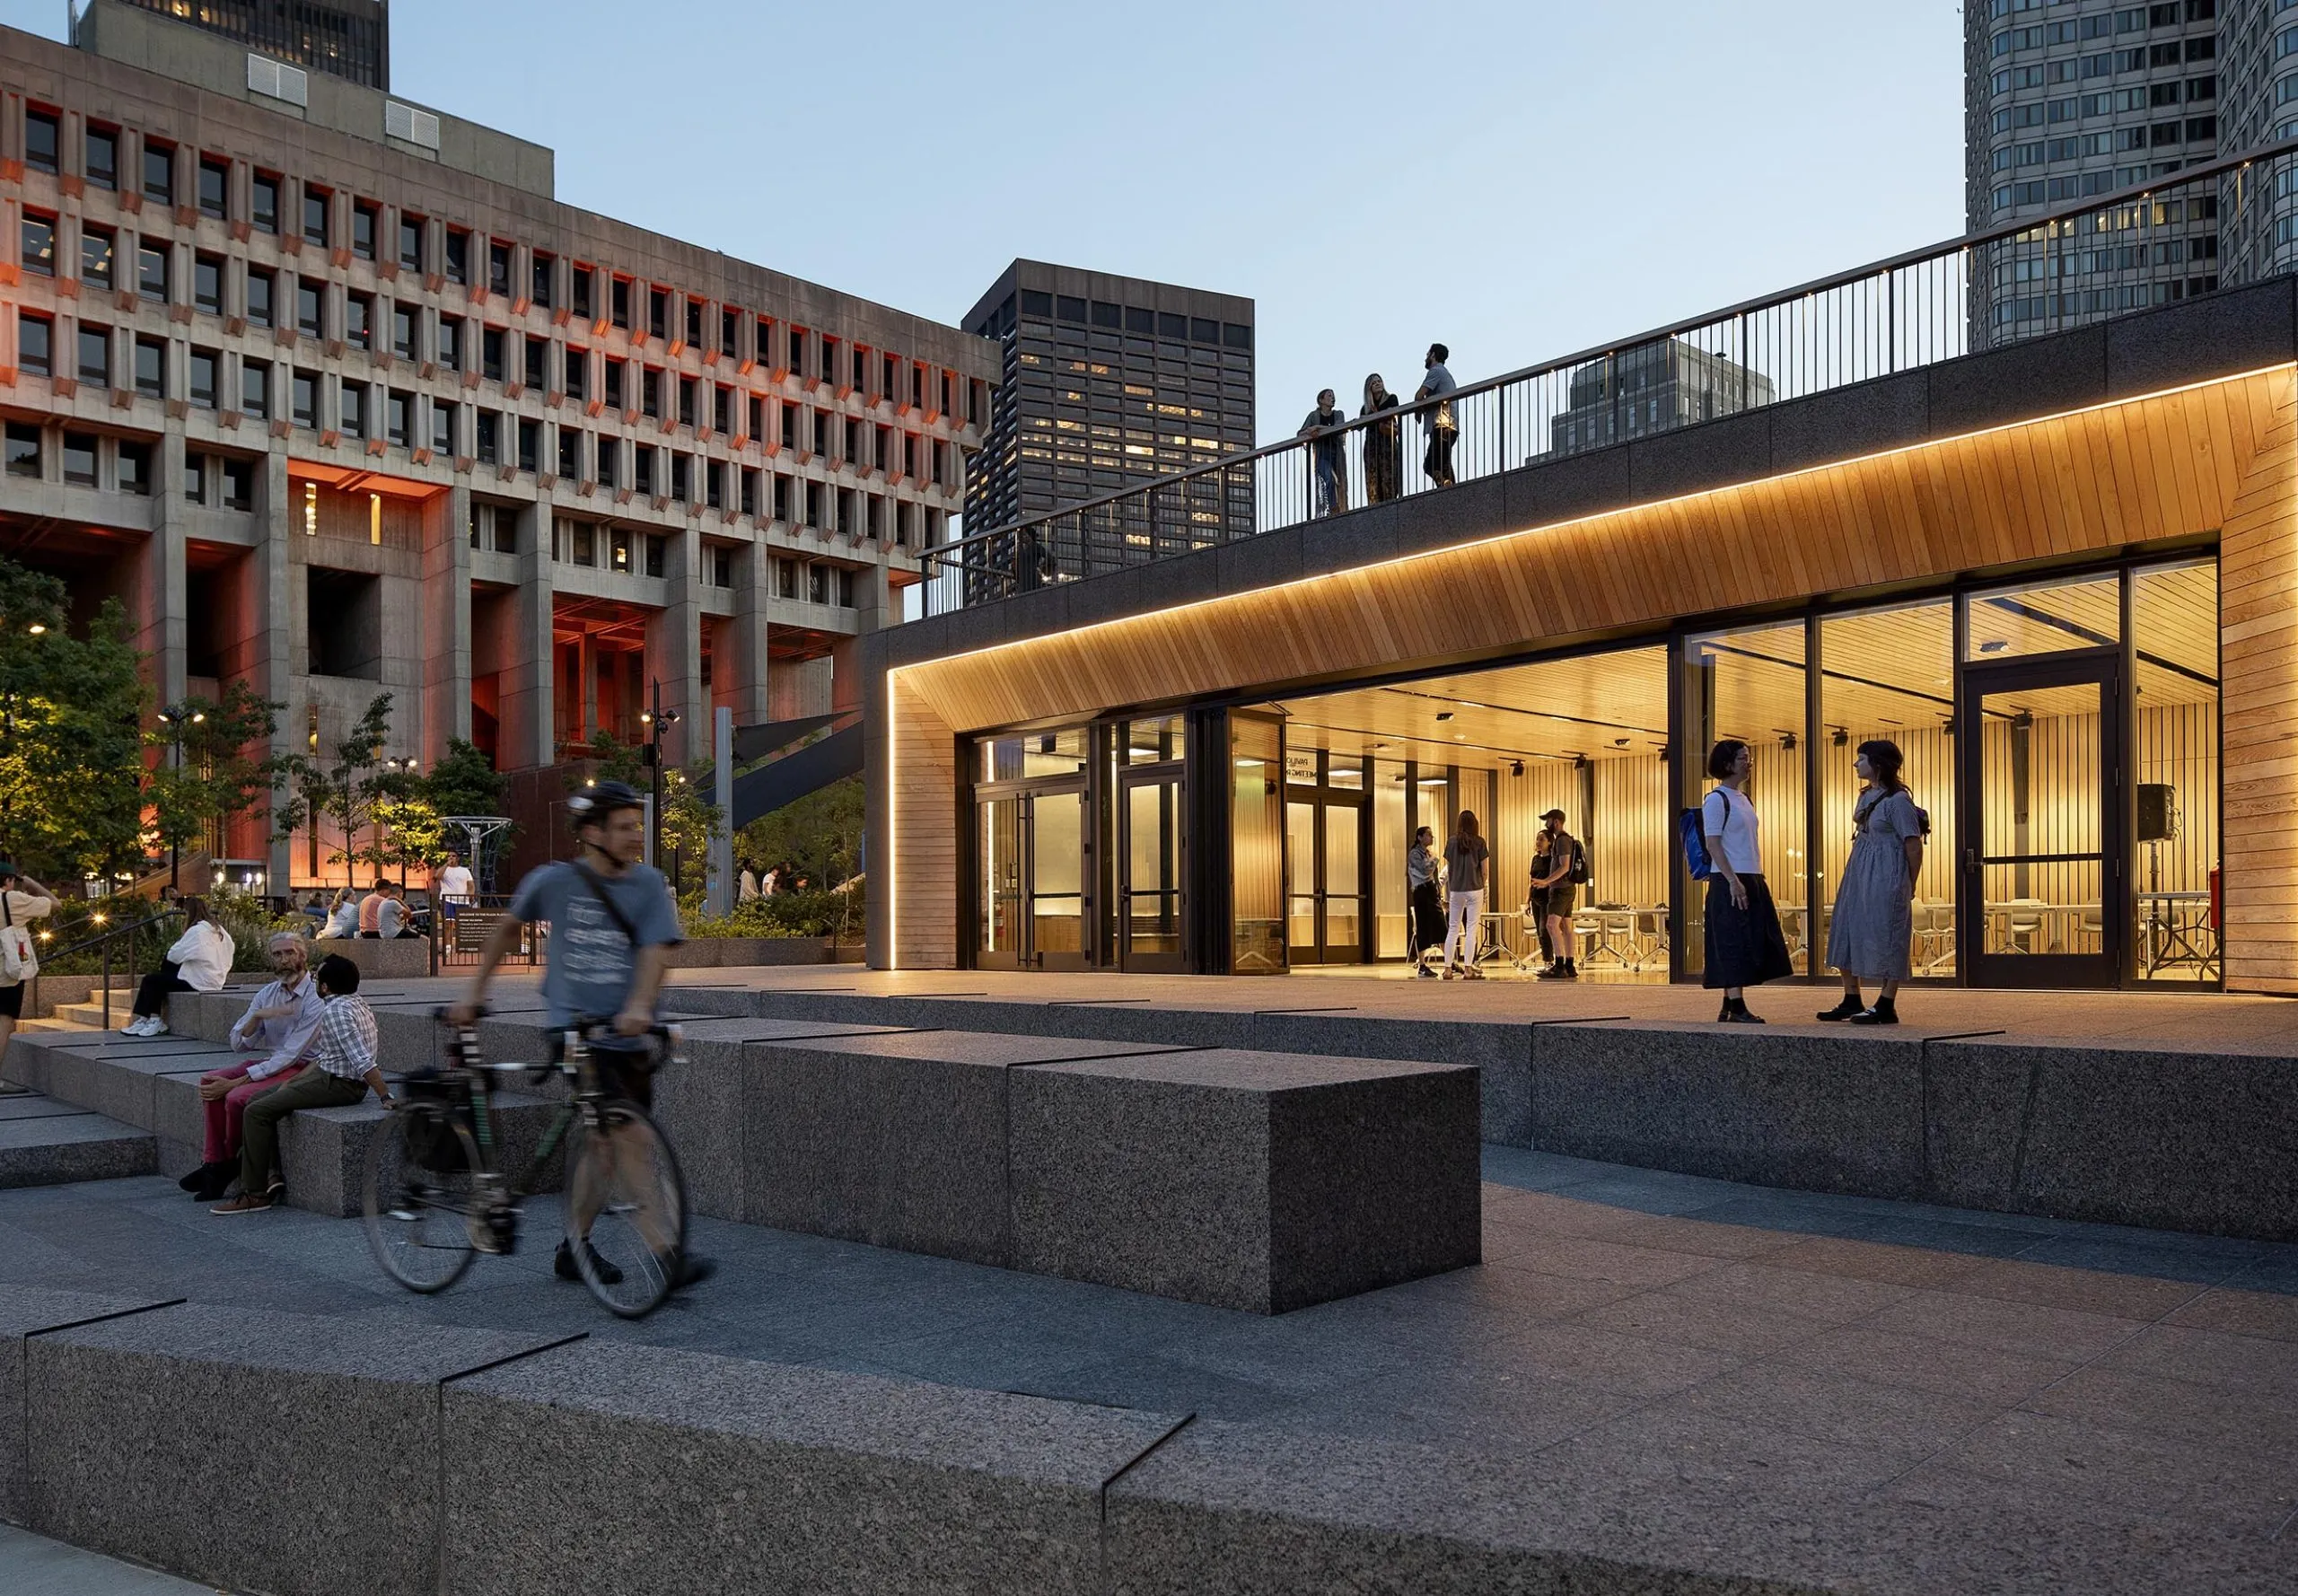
(70, 737)
(346, 789)
(464, 783)
(205, 773)
(819, 833)
(690, 824)
(613, 760)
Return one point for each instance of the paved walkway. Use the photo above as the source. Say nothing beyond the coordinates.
(2136, 1390)
(34, 1566)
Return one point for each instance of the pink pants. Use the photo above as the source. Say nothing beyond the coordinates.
(225, 1113)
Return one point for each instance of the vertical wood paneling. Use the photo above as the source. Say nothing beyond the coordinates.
(923, 793)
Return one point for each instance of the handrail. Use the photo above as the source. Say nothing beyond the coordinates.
(953, 555)
(105, 942)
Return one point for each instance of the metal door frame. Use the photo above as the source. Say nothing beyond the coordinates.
(1172, 773)
(1975, 681)
(1027, 954)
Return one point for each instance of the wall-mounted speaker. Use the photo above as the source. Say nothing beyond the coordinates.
(2157, 812)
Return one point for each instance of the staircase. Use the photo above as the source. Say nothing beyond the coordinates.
(46, 1141)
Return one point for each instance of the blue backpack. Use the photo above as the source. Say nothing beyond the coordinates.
(1692, 827)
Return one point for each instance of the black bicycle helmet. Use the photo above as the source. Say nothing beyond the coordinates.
(595, 804)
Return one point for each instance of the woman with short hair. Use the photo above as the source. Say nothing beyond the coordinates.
(1744, 944)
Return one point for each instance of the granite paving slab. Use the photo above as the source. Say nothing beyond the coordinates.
(57, 1151)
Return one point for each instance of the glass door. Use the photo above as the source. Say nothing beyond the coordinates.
(1056, 878)
(1301, 880)
(1342, 941)
(1326, 890)
(999, 932)
(1151, 869)
(2043, 880)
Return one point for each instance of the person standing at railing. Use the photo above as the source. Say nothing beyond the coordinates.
(1383, 446)
(21, 902)
(1443, 426)
(1328, 466)
(455, 887)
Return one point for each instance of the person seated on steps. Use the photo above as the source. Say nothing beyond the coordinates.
(342, 1072)
(199, 961)
(284, 1018)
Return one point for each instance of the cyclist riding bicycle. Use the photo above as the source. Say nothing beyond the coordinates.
(610, 919)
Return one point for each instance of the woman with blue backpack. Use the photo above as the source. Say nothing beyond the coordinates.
(1745, 946)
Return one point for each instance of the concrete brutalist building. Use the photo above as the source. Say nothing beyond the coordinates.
(339, 399)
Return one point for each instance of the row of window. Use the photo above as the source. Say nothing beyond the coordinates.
(2119, 102)
(593, 293)
(2134, 19)
(86, 459)
(2107, 64)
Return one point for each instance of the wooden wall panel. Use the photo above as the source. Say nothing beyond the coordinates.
(2258, 578)
(922, 790)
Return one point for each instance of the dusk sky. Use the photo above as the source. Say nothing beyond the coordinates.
(1519, 179)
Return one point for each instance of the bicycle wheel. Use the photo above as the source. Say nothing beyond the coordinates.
(421, 1196)
(639, 1230)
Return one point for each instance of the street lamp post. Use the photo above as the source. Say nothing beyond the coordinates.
(656, 719)
(176, 718)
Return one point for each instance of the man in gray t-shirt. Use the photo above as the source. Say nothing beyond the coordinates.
(1443, 426)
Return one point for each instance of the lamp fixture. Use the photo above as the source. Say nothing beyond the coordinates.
(1516, 768)
(37, 629)
(1443, 714)
(1994, 645)
(1839, 738)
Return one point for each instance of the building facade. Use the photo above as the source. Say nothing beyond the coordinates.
(1652, 388)
(347, 38)
(339, 412)
(2056, 577)
(1107, 381)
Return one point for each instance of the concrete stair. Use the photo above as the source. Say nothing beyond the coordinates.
(47, 1141)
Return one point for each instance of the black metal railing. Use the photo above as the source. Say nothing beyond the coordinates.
(108, 941)
(2148, 244)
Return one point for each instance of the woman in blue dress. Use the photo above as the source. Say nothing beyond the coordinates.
(1874, 907)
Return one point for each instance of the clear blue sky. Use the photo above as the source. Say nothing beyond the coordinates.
(1518, 178)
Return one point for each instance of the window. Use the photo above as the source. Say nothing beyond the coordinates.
(818, 584)
(758, 417)
(786, 578)
(202, 380)
(457, 255)
(151, 368)
(729, 321)
(722, 410)
(530, 444)
(24, 449)
(618, 549)
(403, 332)
(442, 427)
(410, 244)
(95, 256)
(152, 272)
(38, 234)
(619, 303)
(792, 437)
(713, 488)
(694, 322)
(583, 275)
(609, 455)
(578, 374)
(159, 173)
(814, 517)
(35, 345)
(490, 354)
(103, 157)
(451, 342)
(658, 312)
(570, 453)
(535, 368)
(750, 493)
(195, 477)
(643, 473)
(351, 411)
(207, 283)
(306, 411)
(781, 502)
(540, 272)
(133, 468)
(614, 385)
(658, 555)
(679, 469)
(798, 350)
(263, 203)
(95, 356)
(43, 140)
(239, 484)
(307, 308)
(650, 393)
(359, 321)
(686, 401)
(399, 418)
(80, 458)
(584, 544)
(498, 268)
(722, 568)
(315, 215)
(366, 221)
(490, 445)
(255, 388)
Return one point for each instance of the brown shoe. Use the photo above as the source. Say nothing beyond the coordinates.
(246, 1203)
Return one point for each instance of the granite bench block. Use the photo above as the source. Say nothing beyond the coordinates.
(2155, 1136)
(611, 1467)
(1261, 1181)
(1502, 1053)
(135, 1426)
(122, 1079)
(26, 1310)
(897, 1140)
(1823, 1111)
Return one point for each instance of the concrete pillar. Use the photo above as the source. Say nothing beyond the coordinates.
(871, 608)
(529, 730)
(446, 621)
(162, 616)
(264, 649)
(740, 666)
(674, 646)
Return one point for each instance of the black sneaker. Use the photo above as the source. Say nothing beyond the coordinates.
(687, 1269)
(1844, 1010)
(563, 1265)
(1883, 1013)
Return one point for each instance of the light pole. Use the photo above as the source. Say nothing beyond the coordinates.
(397, 767)
(656, 718)
(176, 718)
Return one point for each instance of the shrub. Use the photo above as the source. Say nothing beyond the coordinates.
(789, 914)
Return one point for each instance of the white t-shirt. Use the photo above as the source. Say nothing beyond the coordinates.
(203, 956)
(1729, 815)
(455, 883)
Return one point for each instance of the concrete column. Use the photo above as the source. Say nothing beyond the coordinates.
(262, 653)
(740, 667)
(674, 645)
(162, 615)
(586, 671)
(529, 680)
(871, 603)
(446, 621)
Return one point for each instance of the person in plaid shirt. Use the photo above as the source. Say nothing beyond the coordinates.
(343, 1070)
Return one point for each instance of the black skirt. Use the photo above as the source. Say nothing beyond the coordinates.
(1745, 946)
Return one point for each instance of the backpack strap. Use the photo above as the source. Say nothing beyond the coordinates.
(614, 910)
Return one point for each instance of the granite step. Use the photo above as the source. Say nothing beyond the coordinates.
(47, 1141)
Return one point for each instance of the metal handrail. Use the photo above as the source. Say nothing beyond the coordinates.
(104, 942)
(2048, 226)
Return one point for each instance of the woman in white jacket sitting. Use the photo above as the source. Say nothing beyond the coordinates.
(198, 963)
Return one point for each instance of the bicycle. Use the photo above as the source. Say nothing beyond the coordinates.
(434, 1197)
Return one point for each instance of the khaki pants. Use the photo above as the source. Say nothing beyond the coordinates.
(260, 1132)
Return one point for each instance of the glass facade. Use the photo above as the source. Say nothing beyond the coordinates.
(2059, 736)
